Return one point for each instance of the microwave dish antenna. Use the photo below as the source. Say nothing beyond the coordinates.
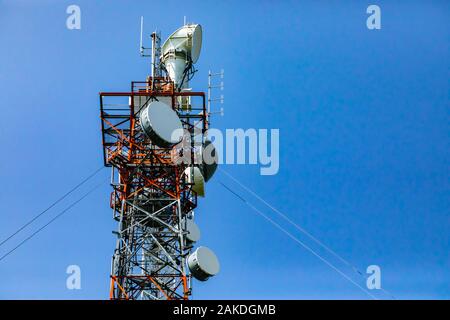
(195, 178)
(180, 52)
(193, 231)
(203, 263)
(161, 124)
(210, 160)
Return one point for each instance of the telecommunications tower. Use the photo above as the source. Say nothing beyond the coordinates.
(154, 140)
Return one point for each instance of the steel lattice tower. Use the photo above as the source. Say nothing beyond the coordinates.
(155, 178)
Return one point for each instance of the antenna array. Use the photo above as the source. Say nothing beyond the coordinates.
(154, 140)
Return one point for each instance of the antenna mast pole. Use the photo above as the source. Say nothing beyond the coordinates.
(156, 52)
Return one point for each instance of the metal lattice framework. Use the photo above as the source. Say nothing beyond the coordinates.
(151, 196)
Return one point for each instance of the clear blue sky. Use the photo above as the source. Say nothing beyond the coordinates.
(364, 133)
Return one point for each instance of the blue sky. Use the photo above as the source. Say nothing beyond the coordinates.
(364, 139)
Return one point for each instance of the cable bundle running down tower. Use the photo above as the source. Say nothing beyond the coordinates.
(154, 140)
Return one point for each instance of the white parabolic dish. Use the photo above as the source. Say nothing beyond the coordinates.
(203, 264)
(182, 46)
(193, 230)
(161, 124)
(210, 160)
(188, 38)
(194, 176)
